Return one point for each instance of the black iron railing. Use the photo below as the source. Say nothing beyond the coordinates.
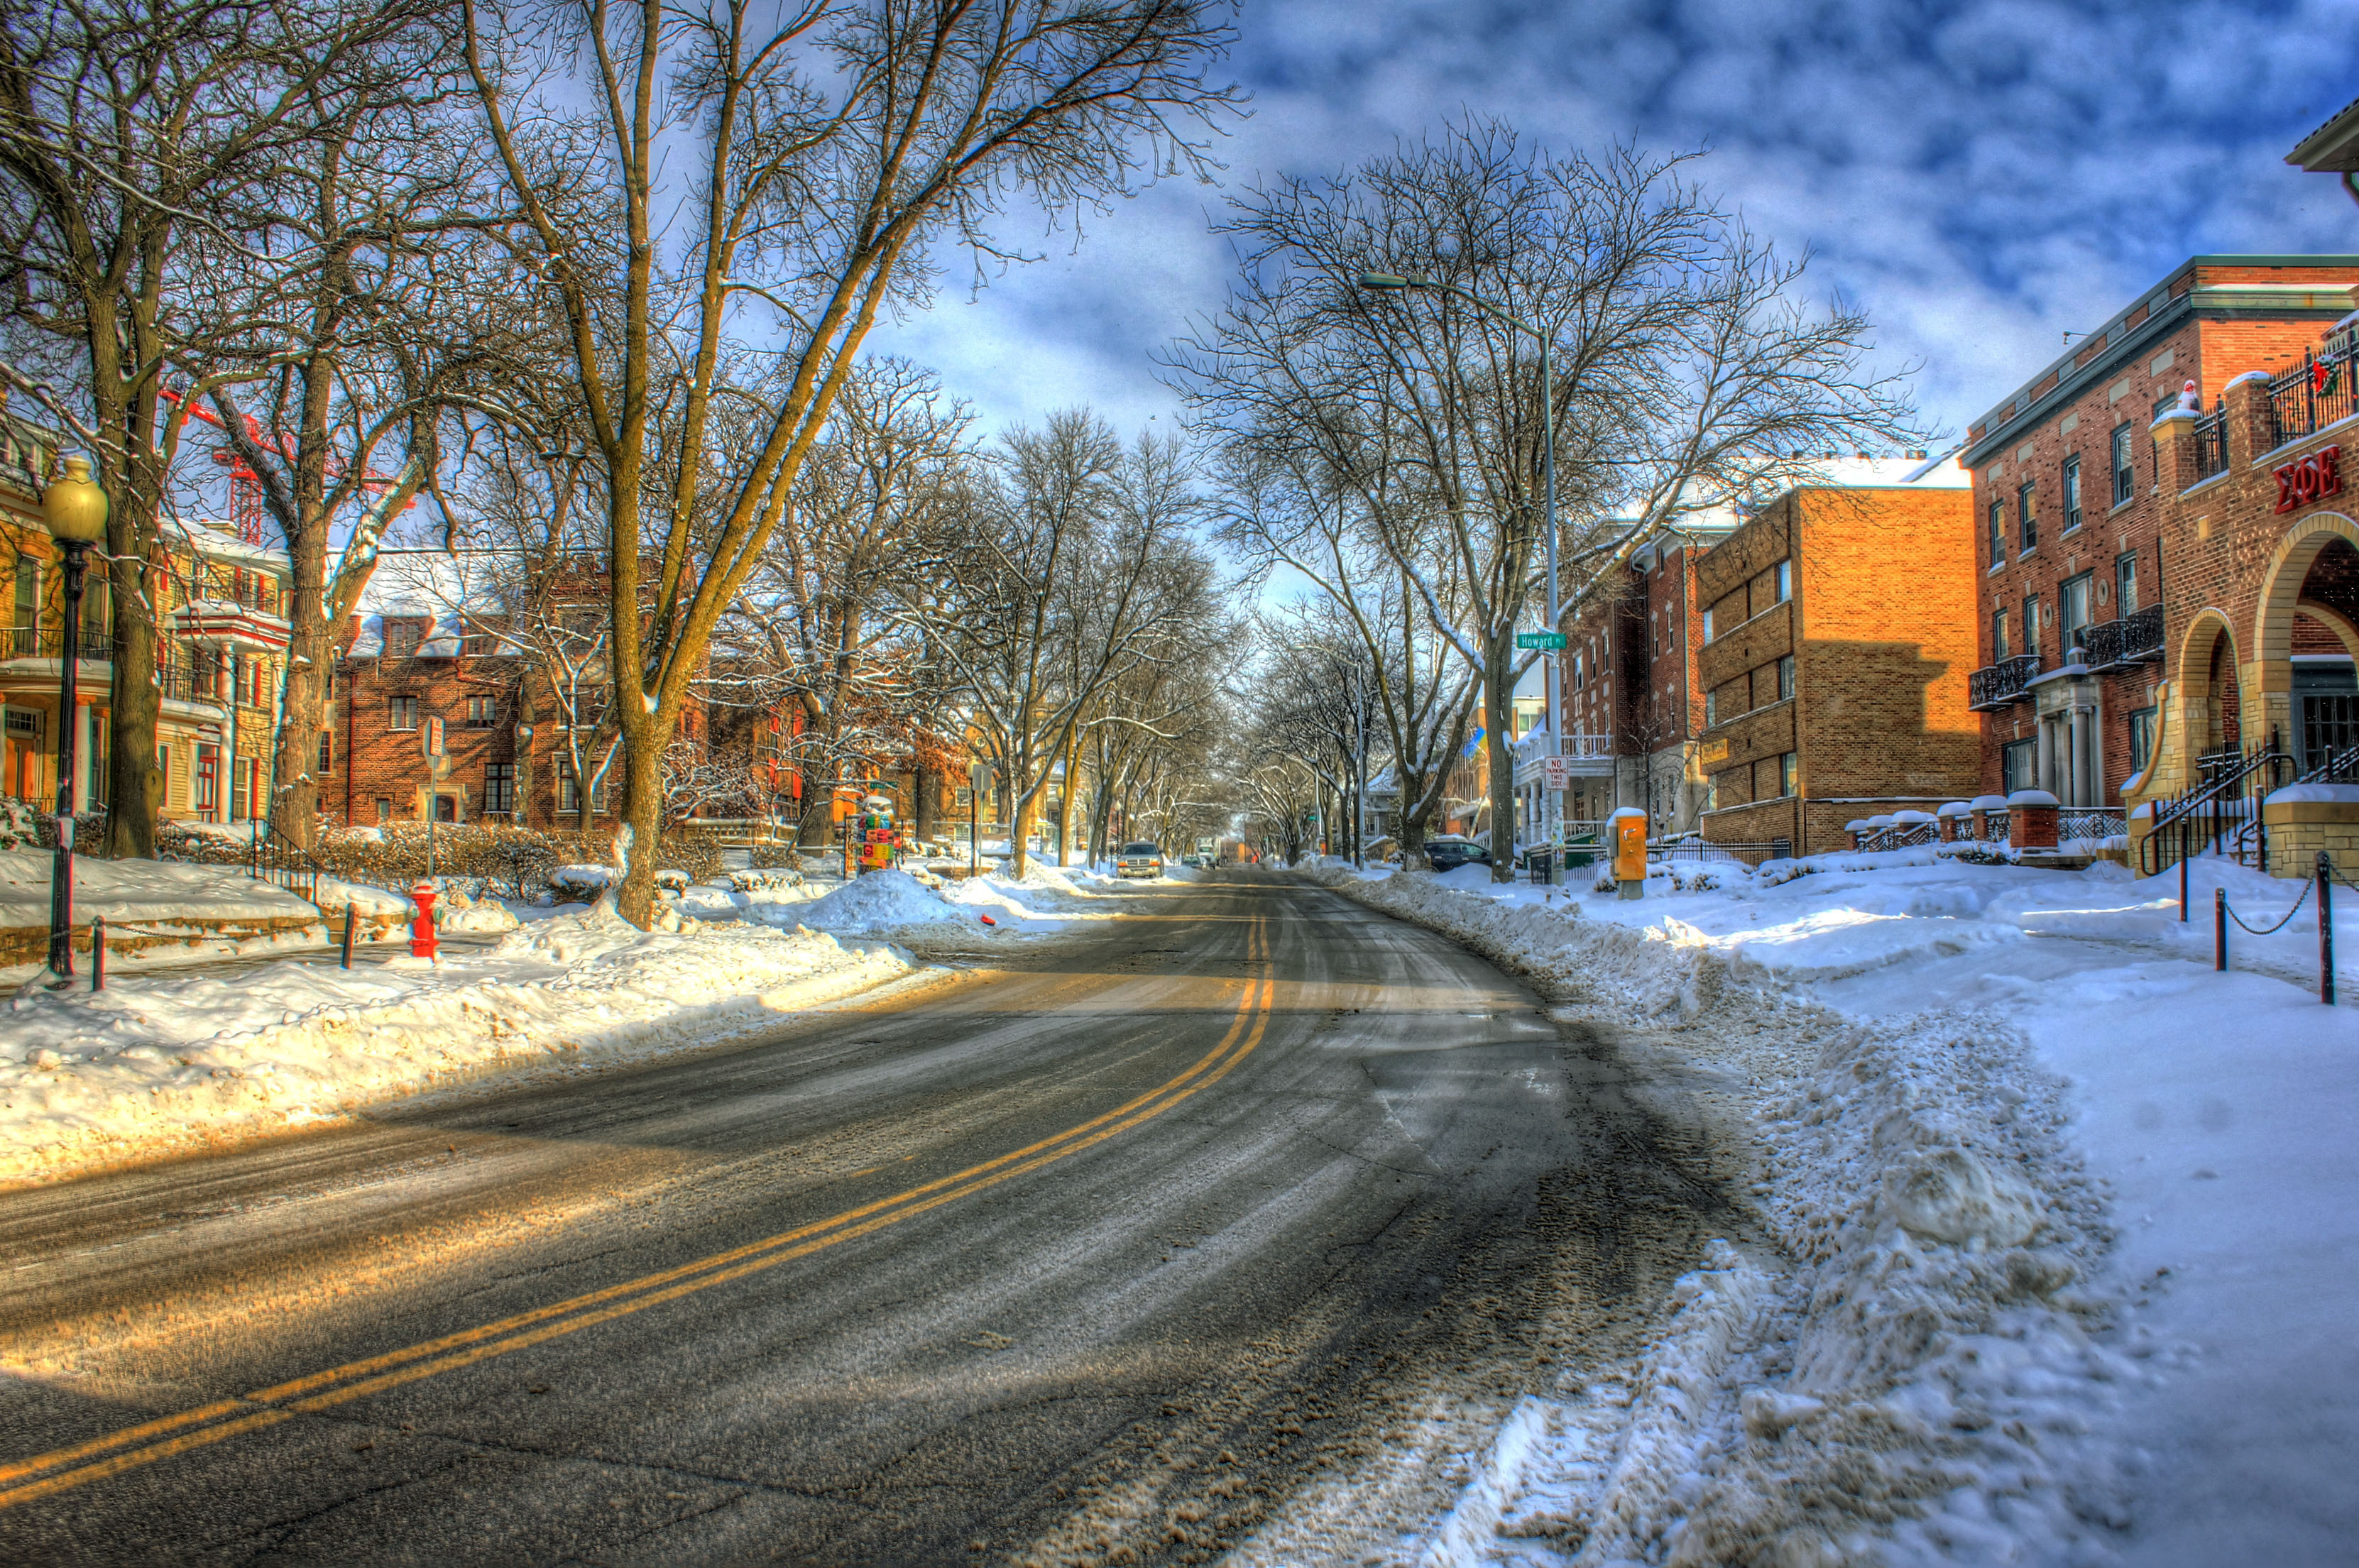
(2335, 768)
(2220, 813)
(196, 680)
(276, 860)
(2126, 639)
(1752, 852)
(43, 642)
(2311, 396)
(1995, 685)
(2212, 444)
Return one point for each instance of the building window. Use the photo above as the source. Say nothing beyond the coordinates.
(568, 791)
(241, 788)
(481, 713)
(1999, 654)
(2015, 760)
(2126, 599)
(1781, 583)
(1786, 678)
(2141, 739)
(499, 788)
(1712, 792)
(206, 795)
(1998, 532)
(163, 772)
(1708, 633)
(327, 753)
(2071, 492)
(2072, 614)
(401, 712)
(2124, 478)
(2023, 519)
(402, 637)
(384, 811)
(25, 613)
(1710, 708)
(2031, 624)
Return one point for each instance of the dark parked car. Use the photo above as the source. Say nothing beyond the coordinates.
(1448, 851)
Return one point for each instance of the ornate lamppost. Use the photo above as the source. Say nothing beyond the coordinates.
(75, 509)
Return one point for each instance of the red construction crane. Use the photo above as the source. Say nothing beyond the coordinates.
(245, 484)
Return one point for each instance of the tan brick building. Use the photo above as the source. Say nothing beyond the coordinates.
(1841, 633)
(2097, 560)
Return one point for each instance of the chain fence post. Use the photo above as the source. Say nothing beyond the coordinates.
(2325, 929)
(2183, 871)
(2219, 927)
(98, 951)
(345, 961)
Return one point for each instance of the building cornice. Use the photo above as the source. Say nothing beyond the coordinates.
(2156, 312)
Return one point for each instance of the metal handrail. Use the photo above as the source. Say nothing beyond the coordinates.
(275, 858)
(2211, 443)
(2335, 768)
(43, 642)
(2217, 802)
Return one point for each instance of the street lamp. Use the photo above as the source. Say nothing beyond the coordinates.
(75, 509)
(1386, 282)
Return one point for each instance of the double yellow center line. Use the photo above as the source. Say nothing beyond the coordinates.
(23, 1481)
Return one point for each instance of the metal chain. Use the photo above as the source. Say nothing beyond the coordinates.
(2270, 931)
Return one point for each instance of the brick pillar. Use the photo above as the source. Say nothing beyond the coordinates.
(2174, 437)
(2250, 430)
(2031, 818)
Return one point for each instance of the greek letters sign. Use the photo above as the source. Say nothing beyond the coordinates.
(2320, 474)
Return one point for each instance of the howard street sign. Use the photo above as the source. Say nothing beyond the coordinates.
(1552, 641)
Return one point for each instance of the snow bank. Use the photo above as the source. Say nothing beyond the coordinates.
(1945, 1353)
(156, 1065)
(153, 892)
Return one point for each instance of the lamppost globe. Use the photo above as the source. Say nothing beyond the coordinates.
(74, 506)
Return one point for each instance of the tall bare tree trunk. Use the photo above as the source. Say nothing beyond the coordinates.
(1498, 718)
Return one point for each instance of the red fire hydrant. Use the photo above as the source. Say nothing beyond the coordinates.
(422, 931)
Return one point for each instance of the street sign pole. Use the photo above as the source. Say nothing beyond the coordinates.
(430, 738)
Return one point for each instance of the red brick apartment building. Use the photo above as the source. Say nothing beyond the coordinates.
(1838, 639)
(2151, 591)
(1628, 675)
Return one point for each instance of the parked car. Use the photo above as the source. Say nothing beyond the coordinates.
(1138, 860)
(1448, 851)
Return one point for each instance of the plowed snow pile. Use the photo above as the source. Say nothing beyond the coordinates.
(156, 1065)
(1948, 1341)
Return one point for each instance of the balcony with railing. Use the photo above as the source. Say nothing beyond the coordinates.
(43, 642)
(204, 679)
(2212, 444)
(1996, 685)
(2312, 395)
(2126, 640)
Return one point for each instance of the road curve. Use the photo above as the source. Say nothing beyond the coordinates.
(1096, 1256)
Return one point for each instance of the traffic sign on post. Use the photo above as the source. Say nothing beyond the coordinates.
(1551, 641)
(1556, 771)
(431, 738)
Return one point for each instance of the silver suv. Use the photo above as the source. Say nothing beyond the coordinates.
(1138, 860)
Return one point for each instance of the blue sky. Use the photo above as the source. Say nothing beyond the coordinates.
(1981, 176)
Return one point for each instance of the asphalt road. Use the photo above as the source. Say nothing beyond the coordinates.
(1099, 1255)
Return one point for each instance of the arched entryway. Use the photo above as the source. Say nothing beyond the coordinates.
(2212, 695)
(2305, 636)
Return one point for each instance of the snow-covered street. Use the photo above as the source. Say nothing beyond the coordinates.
(2051, 1234)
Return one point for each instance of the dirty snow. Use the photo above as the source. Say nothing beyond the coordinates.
(2052, 1237)
(158, 1064)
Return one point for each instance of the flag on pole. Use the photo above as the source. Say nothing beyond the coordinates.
(1473, 743)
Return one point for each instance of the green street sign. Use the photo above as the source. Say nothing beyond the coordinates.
(1552, 641)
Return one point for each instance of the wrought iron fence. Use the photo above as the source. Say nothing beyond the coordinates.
(2211, 443)
(1902, 836)
(1750, 852)
(2091, 822)
(1995, 685)
(276, 860)
(2311, 396)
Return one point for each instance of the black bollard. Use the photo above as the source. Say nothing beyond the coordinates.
(2325, 929)
(98, 951)
(346, 960)
(2219, 927)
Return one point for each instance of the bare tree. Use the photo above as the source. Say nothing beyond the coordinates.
(834, 145)
(1685, 374)
(123, 128)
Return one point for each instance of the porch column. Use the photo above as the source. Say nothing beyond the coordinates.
(2043, 770)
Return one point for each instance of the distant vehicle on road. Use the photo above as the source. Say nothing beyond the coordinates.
(1448, 851)
(1138, 860)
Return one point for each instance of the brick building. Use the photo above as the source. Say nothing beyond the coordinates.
(1838, 639)
(222, 639)
(1628, 676)
(2095, 558)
